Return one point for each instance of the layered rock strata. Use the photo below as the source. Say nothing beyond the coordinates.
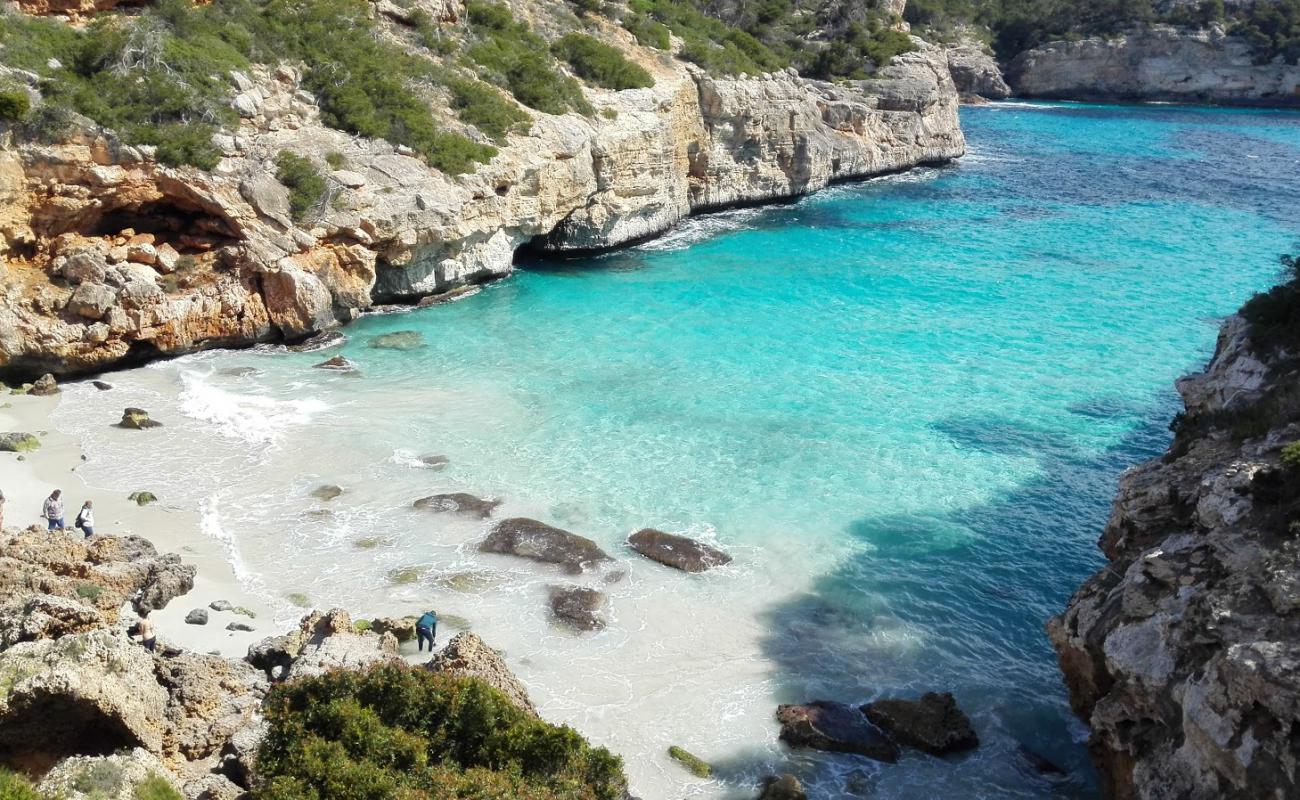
(1160, 63)
(111, 258)
(1183, 653)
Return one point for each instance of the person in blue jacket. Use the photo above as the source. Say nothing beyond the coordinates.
(425, 628)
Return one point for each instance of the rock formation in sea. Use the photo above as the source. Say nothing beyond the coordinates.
(1158, 63)
(975, 72)
(1183, 653)
(111, 257)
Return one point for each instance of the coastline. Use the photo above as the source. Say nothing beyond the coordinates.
(55, 464)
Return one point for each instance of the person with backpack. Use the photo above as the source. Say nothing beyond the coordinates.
(53, 510)
(425, 628)
(86, 519)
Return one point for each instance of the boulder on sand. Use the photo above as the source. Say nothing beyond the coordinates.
(44, 386)
(18, 442)
(528, 538)
(459, 503)
(677, 551)
(137, 419)
(198, 616)
(934, 724)
(835, 728)
(578, 607)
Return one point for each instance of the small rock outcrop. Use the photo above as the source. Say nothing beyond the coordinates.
(137, 419)
(18, 443)
(198, 616)
(402, 628)
(466, 655)
(1182, 653)
(45, 386)
(322, 642)
(459, 503)
(578, 607)
(326, 492)
(934, 724)
(1157, 63)
(528, 538)
(676, 551)
(835, 728)
(975, 72)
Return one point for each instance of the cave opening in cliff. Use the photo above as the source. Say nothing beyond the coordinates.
(51, 728)
(187, 228)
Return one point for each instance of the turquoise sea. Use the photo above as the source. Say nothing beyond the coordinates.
(901, 405)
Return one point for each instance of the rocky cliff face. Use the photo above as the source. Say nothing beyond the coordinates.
(111, 257)
(1162, 63)
(1183, 654)
(975, 72)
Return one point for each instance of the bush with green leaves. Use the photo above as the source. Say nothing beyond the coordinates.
(15, 105)
(484, 107)
(510, 55)
(396, 732)
(154, 787)
(600, 64)
(1274, 315)
(15, 787)
(713, 45)
(306, 185)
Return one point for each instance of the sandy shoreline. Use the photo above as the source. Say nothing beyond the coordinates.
(27, 482)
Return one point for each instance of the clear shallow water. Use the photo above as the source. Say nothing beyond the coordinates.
(901, 405)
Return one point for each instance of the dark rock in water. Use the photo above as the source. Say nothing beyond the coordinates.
(1040, 763)
(676, 551)
(336, 363)
(18, 442)
(459, 502)
(221, 605)
(239, 626)
(398, 340)
(934, 724)
(528, 538)
(102, 386)
(321, 341)
(137, 419)
(578, 607)
(786, 787)
(326, 491)
(240, 372)
(435, 462)
(44, 386)
(835, 728)
(198, 616)
(142, 498)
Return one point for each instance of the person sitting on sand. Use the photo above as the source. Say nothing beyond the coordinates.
(86, 519)
(425, 628)
(53, 511)
(144, 628)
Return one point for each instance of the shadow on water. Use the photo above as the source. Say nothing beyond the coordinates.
(956, 602)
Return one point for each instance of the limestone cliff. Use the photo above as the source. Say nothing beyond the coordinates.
(111, 257)
(1161, 63)
(1183, 654)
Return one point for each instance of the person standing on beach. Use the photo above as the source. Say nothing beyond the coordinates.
(86, 519)
(53, 511)
(425, 628)
(2, 511)
(148, 637)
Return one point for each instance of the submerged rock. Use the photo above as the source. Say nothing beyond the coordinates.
(321, 341)
(1040, 763)
(459, 502)
(18, 442)
(434, 462)
(467, 656)
(934, 724)
(677, 551)
(785, 787)
(326, 492)
(398, 340)
(142, 498)
(137, 419)
(578, 607)
(835, 728)
(528, 538)
(239, 627)
(338, 363)
(101, 385)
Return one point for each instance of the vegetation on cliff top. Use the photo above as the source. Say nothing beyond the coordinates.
(1272, 28)
(395, 732)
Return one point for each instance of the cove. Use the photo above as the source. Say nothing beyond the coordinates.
(900, 405)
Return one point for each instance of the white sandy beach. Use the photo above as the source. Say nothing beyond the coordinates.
(27, 479)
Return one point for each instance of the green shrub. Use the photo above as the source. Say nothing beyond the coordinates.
(98, 779)
(600, 64)
(298, 599)
(509, 54)
(394, 732)
(716, 47)
(485, 108)
(335, 160)
(305, 184)
(89, 591)
(155, 787)
(15, 105)
(1291, 455)
(15, 787)
(362, 625)
(648, 32)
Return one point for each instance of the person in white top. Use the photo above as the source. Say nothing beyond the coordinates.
(86, 519)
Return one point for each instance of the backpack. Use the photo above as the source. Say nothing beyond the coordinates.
(80, 521)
